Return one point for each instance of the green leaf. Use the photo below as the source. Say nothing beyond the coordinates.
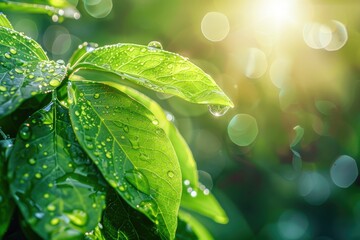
(59, 8)
(59, 191)
(201, 232)
(6, 203)
(195, 196)
(121, 221)
(130, 148)
(81, 51)
(25, 70)
(4, 22)
(158, 70)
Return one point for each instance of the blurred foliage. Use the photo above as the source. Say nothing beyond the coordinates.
(278, 64)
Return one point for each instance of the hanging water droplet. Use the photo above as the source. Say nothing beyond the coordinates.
(78, 217)
(170, 174)
(25, 131)
(218, 110)
(155, 45)
(138, 180)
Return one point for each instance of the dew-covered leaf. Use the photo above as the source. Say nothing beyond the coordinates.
(6, 203)
(25, 70)
(131, 150)
(158, 70)
(4, 22)
(56, 186)
(81, 51)
(59, 8)
(195, 196)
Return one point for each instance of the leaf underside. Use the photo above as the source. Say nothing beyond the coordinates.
(25, 70)
(132, 151)
(157, 70)
(58, 190)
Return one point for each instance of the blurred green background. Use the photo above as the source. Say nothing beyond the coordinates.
(283, 162)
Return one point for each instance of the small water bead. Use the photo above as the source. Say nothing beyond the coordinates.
(108, 155)
(155, 45)
(218, 110)
(51, 207)
(54, 83)
(38, 175)
(46, 195)
(96, 95)
(54, 221)
(193, 193)
(155, 122)
(170, 174)
(32, 161)
(13, 51)
(7, 55)
(138, 180)
(25, 131)
(3, 89)
(78, 217)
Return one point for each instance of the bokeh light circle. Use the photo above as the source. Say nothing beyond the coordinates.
(215, 26)
(314, 187)
(98, 8)
(280, 71)
(255, 63)
(317, 35)
(344, 171)
(243, 129)
(339, 36)
(292, 224)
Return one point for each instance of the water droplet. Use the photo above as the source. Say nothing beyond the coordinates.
(51, 207)
(19, 71)
(149, 207)
(54, 83)
(135, 143)
(170, 174)
(60, 62)
(78, 217)
(7, 55)
(55, 18)
(3, 89)
(186, 182)
(96, 95)
(108, 155)
(155, 122)
(138, 180)
(38, 175)
(46, 195)
(25, 131)
(91, 47)
(218, 110)
(122, 188)
(13, 51)
(54, 221)
(155, 45)
(32, 161)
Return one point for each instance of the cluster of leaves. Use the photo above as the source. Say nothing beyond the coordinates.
(96, 158)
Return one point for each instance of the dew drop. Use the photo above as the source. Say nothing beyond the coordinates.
(108, 155)
(193, 193)
(155, 122)
(51, 207)
(32, 161)
(7, 55)
(25, 132)
(54, 83)
(154, 45)
(3, 89)
(138, 180)
(13, 51)
(218, 110)
(78, 217)
(54, 221)
(96, 95)
(38, 175)
(170, 174)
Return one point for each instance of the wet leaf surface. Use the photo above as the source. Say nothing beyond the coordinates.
(158, 70)
(59, 191)
(131, 150)
(25, 70)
